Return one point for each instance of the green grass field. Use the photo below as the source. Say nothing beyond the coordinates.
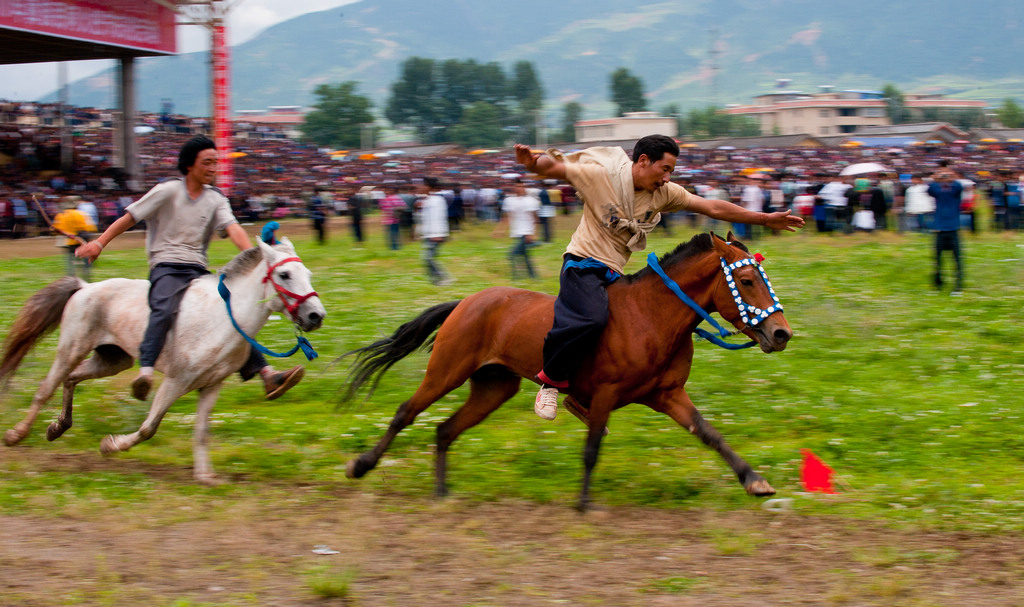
(911, 395)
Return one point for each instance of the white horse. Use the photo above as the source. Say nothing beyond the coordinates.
(108, 319)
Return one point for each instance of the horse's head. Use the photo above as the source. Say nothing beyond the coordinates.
(745, 298)
(292, 282)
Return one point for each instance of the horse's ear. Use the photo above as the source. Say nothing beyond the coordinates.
(287, 243)
(728, 236)
(267, 250)
(721, 246)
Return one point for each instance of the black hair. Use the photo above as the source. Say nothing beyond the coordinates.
(655, 147)
(189, 151)
(431, 182)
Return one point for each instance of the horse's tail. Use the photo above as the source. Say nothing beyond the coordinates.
(40, 315)
(374, 360)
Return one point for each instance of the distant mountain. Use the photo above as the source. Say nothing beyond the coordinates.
(689, 52)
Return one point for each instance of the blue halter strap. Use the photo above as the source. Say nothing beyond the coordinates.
(751, 315)
(302, 342)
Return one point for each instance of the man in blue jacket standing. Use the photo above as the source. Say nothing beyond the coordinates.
(946, 190)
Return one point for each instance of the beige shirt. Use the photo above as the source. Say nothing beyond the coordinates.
(604, 181)
(178, 228)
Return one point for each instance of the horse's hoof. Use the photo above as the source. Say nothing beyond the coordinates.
(107, 445)
(13, 437)
(760, 488)
(209, 479)
(350, 468)
(55, 431)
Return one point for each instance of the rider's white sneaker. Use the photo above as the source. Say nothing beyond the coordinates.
(546, 405)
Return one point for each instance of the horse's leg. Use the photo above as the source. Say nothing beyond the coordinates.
(426, 395)
(489, 388)
(678, 406)
(170, 390)
(58, 372)
(597, 423)
(202, 470)
(105, 361)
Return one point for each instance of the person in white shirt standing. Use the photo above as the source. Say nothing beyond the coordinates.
(520, 210)
(918, 206)
(433, 230)
(834, 195)
(752, 199)
(84, 206)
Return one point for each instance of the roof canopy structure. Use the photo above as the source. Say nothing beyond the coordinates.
(36, 31)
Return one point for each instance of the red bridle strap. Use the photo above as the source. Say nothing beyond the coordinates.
(283, 292)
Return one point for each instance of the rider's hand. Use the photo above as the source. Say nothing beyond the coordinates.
(784, 220)
(90, 250)
(526, 157)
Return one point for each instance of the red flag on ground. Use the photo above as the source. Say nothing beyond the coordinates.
(815, 474)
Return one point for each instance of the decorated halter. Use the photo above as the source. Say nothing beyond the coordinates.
(284, 293)
(301, 342)
(751, 315)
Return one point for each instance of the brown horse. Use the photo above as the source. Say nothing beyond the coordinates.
(494, 338)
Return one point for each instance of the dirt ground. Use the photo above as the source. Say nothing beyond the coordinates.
(397, 551)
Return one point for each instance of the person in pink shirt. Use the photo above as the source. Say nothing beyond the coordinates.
(391, 207)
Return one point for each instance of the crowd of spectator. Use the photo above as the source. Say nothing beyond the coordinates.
(277, 176)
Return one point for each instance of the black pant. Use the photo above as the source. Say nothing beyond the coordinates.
(581, 313)
(521, 248)
(319, 224)
(948, 241)
(167, 285)
(434, 270)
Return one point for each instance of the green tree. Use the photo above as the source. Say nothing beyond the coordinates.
(433, 96)
(338, 116)
(480, 127)
(529, 96)
(672, 110)
(895, 105)
(415, 99)
(1010, 114)
(710, 121)
(627, 92)
(571, 114)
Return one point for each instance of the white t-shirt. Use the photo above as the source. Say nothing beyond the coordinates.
(917, 200)
(520, 211)
(834, 193)
(90, 211)
(178, 228)
(434, 217)
(752, 198)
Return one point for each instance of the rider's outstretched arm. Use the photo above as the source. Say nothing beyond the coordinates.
(543, 165)
(92, 250)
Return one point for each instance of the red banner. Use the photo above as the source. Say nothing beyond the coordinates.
(127, 23)
(222, 108)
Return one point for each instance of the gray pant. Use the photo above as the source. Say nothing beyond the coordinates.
(167, 285)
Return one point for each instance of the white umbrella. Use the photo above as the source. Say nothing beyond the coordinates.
(863, 167)
(142, 129)
(726, 147)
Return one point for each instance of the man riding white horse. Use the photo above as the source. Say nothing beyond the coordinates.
(181, 216)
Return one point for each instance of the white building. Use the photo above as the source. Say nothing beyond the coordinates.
(633, 125)
(835, 113)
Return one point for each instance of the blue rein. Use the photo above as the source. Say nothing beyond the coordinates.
(751, 315)
(303, 343)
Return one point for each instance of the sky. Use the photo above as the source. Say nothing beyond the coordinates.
(28, 82)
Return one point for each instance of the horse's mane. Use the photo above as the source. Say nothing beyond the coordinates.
(243, 263)
(700, 243)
